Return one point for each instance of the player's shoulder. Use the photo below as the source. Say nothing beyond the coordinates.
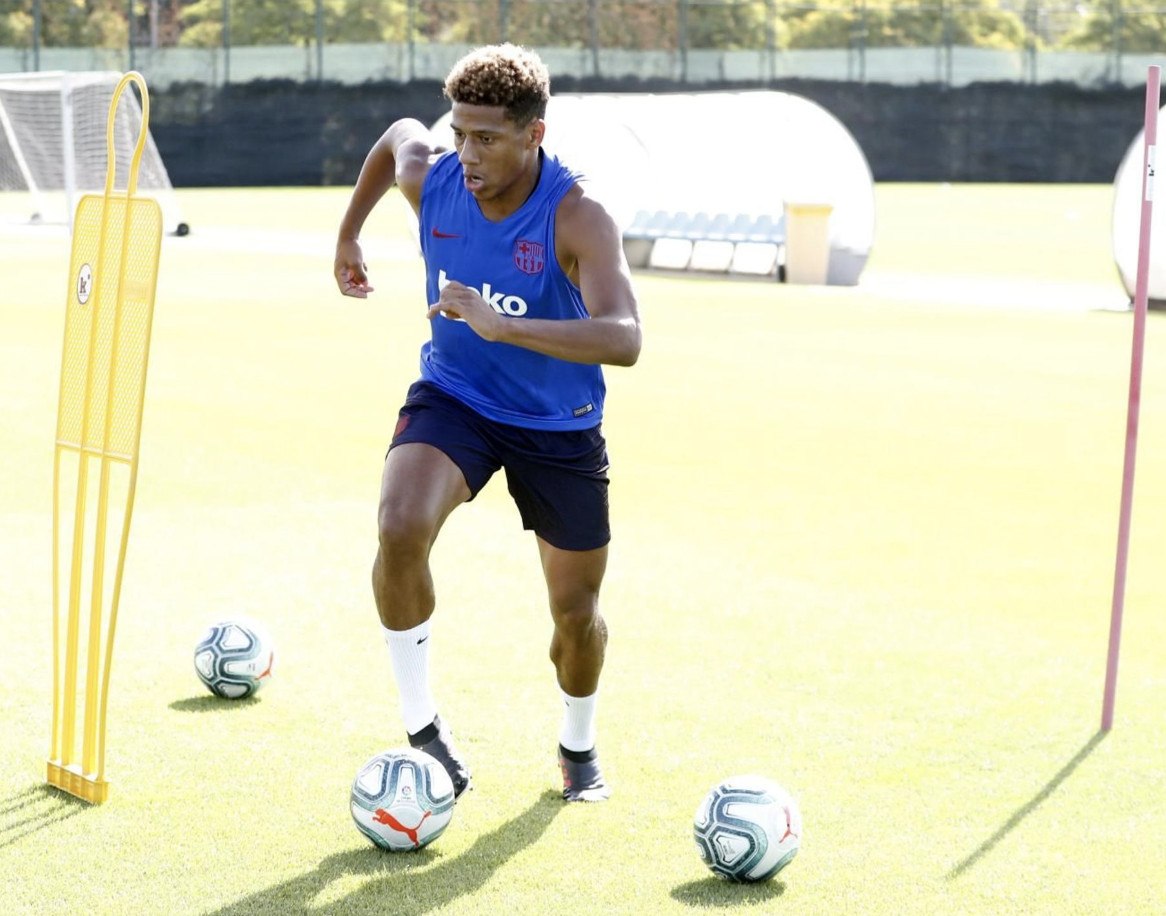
(581, 214)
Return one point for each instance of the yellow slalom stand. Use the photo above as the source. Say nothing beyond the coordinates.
(109, 307)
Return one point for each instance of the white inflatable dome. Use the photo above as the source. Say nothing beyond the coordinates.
(1127, 216)
(719, 153)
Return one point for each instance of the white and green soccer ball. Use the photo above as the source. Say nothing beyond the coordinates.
(234, 658)
(402, 799)
(747, 828)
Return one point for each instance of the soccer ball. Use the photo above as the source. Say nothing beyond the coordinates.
(748, 828)
(402, 799)
(234, 658)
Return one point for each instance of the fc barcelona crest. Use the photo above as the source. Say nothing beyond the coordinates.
(528, 256)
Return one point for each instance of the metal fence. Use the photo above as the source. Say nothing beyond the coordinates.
(1100, 42)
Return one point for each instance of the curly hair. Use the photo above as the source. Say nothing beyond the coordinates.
(505, 76)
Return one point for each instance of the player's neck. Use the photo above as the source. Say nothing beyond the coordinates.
(511, 200)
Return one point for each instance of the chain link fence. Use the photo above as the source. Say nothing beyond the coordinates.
(1101, 42)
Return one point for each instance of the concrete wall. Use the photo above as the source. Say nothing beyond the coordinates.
(402, 62)
(285, 132)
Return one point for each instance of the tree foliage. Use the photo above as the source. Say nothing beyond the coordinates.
(975, 23)
(294, 22)
(620, 25)
(1129, 31)
(1087, 25)
(66, 23)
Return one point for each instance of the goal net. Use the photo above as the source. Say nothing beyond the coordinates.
(53, 146)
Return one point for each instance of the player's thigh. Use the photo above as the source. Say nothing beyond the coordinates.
(573, 578)
(420, 487)
(440, 456)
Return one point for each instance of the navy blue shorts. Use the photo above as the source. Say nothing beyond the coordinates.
(558, 478)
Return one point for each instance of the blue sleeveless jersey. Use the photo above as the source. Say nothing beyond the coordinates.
(512, 263)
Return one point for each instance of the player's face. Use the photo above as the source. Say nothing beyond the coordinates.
(498, 157)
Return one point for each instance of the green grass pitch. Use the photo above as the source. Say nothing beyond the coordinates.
(863, 544)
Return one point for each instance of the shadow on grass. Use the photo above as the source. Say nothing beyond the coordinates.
(385, 878)
(33, 809)
(717, 892)
(210, 703)
(1025, 810)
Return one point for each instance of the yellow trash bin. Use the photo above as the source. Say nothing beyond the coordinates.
(807, 242)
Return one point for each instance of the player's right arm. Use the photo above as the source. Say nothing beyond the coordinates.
(402, 156)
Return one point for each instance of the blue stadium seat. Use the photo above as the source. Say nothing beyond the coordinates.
(767, 229)
(677, 226)
(648, 224)
(718, 229)
(697, 226)
(738, 230)
(655, 237)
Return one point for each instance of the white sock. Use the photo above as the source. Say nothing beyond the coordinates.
(409, 653)
(578, 731)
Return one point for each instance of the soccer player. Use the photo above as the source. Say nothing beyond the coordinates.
(529, 293)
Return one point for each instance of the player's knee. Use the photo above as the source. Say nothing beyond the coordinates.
(403, 535)
(578, 619)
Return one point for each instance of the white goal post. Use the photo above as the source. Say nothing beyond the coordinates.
(53, 145)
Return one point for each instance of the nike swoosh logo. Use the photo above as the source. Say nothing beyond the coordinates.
(437, 234)
(422, 639)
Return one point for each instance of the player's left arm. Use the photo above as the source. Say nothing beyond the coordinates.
(590, 250)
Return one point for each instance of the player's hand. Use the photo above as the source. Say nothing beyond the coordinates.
(350, 270)
(458, 301)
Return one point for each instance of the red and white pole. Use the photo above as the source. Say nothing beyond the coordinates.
(1153, 84)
